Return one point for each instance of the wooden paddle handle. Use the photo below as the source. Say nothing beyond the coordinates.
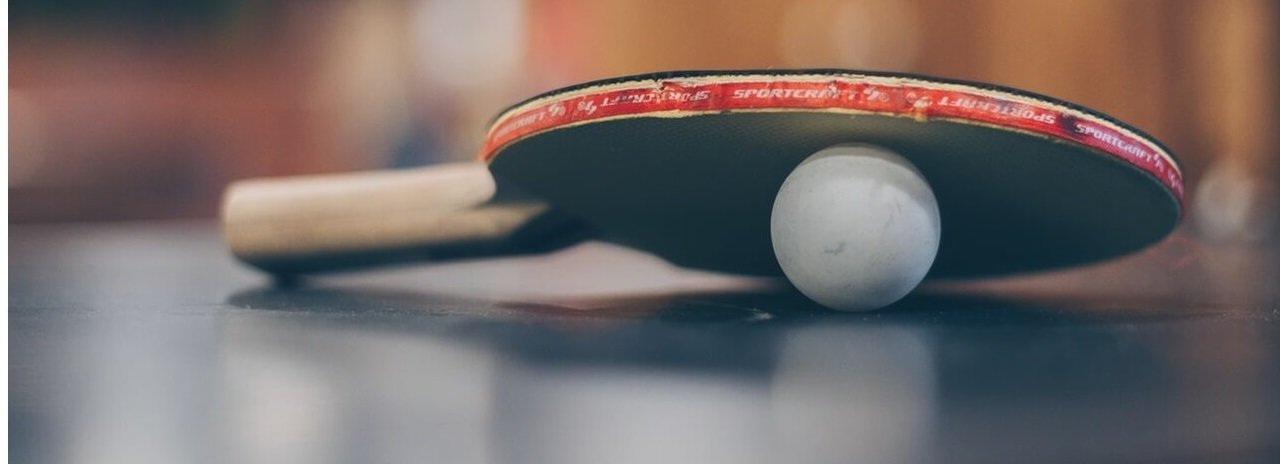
(310, 224)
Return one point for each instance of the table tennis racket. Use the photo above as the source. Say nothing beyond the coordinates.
(686, 165)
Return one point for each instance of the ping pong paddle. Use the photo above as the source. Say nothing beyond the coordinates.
(686, 165)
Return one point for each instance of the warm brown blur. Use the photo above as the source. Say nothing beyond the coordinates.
(117, 113)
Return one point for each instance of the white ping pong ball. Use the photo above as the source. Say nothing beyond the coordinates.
(855, 227)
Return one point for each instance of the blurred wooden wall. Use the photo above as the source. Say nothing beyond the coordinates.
(324, 86)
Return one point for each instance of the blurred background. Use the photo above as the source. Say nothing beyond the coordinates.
(147, 108)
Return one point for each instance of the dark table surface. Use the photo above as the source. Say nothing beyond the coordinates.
(145, 343)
